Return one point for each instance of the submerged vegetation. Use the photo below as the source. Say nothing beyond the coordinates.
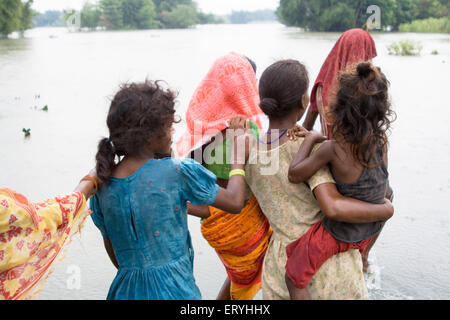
(405, 48)
(26, 132)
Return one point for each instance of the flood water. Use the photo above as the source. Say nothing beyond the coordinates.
(76, 74)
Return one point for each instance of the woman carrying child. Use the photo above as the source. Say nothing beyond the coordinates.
(293, 208)
(358, 161)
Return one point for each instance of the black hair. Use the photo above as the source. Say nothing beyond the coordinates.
(138, 113)
(252, 63)
(282, 87)
(361, 110)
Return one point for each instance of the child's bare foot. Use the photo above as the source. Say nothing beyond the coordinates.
(296, 293)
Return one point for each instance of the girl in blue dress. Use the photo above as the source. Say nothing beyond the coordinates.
(140, 207)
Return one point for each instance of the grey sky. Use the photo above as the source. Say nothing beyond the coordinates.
(207, 6)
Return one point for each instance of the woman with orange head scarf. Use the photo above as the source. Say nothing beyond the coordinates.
(353, 46)
(229, 90)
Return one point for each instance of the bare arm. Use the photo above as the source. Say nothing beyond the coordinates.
(337, 207)
(232, 198)
(110, 251)
(310, 119)
(304, 165)
(198, 211)
(311, 115)
(87, 186)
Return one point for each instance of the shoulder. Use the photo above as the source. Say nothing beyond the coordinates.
(190, 168)
(327, 147)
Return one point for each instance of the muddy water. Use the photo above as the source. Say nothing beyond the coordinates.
(75, 74)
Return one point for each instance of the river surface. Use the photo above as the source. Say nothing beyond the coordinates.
(75, 75)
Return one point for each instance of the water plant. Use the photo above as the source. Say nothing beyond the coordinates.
(26, 132)
(405, 48)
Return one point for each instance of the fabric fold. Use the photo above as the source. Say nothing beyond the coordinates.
(33, 238)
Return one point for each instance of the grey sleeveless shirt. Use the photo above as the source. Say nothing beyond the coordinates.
(370, 187)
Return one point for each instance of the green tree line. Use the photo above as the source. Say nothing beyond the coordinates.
(142, 14)
(15, 15)
(341, 15)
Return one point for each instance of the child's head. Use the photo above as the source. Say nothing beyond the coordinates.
(140, 122)
(283, 89)
(361, 110)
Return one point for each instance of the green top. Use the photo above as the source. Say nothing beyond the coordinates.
(222, 169)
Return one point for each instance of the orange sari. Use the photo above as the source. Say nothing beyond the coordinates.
(241, 241)
(32, 237)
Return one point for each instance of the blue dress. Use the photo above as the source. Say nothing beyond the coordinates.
(144, 217)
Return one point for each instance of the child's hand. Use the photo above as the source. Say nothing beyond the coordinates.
(297, 132)
(315, 136)
(239, 123)
(389, 205)
(241, 139)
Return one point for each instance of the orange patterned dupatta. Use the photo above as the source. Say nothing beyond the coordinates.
(32, 237)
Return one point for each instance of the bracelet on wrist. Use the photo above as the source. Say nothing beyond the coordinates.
(237, 172)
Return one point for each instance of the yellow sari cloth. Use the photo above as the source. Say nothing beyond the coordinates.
(241, 241)
(32, 237)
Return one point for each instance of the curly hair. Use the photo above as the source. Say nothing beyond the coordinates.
(139, 113)
(361, 111)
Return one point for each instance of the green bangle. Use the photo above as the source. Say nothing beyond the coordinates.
(237, 172)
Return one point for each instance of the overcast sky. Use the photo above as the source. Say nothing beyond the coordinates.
(207, 6)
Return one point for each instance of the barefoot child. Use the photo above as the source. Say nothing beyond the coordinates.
(358, 161)
(140, 207)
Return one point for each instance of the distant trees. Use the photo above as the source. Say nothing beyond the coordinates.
(26, 17)
(181, 16)
(340, 15)
(50, 18)
(15, 15)
(90, 15)
(142, 14)
(238, 17)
